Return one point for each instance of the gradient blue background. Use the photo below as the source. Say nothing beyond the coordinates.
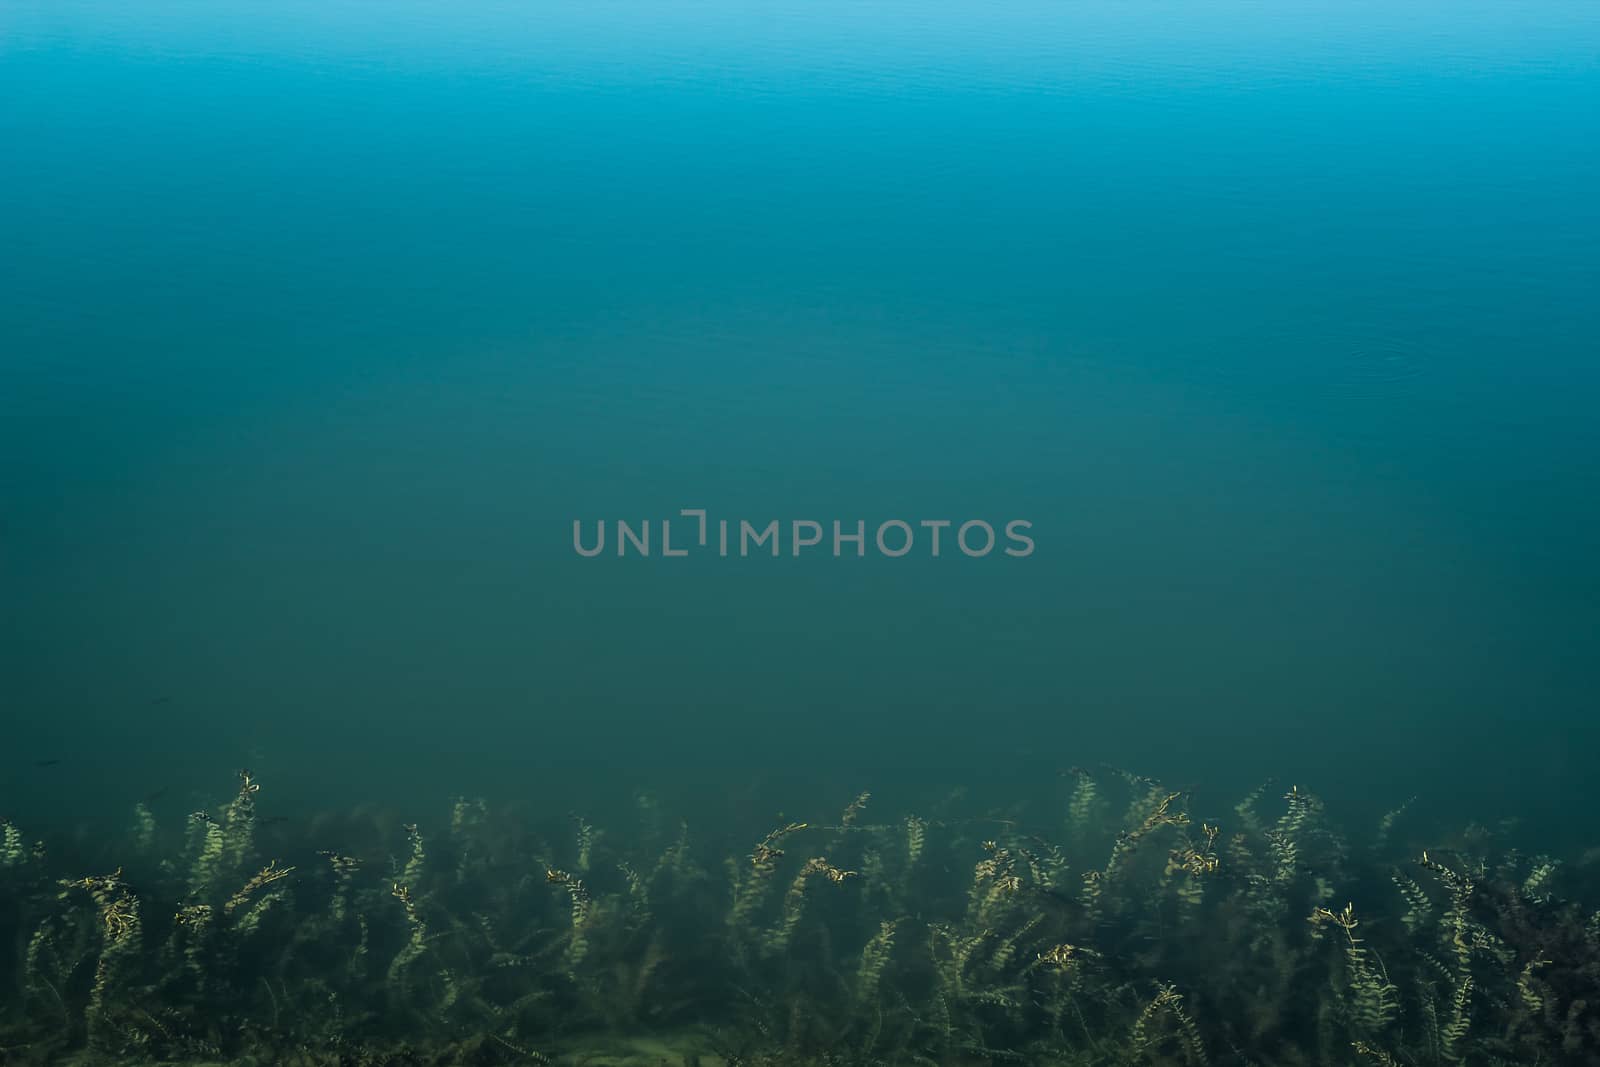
(320, 322)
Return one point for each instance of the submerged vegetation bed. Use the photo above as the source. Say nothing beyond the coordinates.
(1117, 925)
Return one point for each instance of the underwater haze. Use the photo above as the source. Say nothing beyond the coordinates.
(321, 324)
(380, 380)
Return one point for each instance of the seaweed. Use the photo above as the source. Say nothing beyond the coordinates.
(1106, 924)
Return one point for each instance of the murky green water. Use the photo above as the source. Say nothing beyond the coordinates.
(321, 324)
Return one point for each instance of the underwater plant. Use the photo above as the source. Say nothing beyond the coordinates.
(1110, 924)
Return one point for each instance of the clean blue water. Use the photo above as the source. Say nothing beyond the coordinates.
(320, 324)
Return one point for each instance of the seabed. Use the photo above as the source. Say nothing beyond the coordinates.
(1121, 922)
